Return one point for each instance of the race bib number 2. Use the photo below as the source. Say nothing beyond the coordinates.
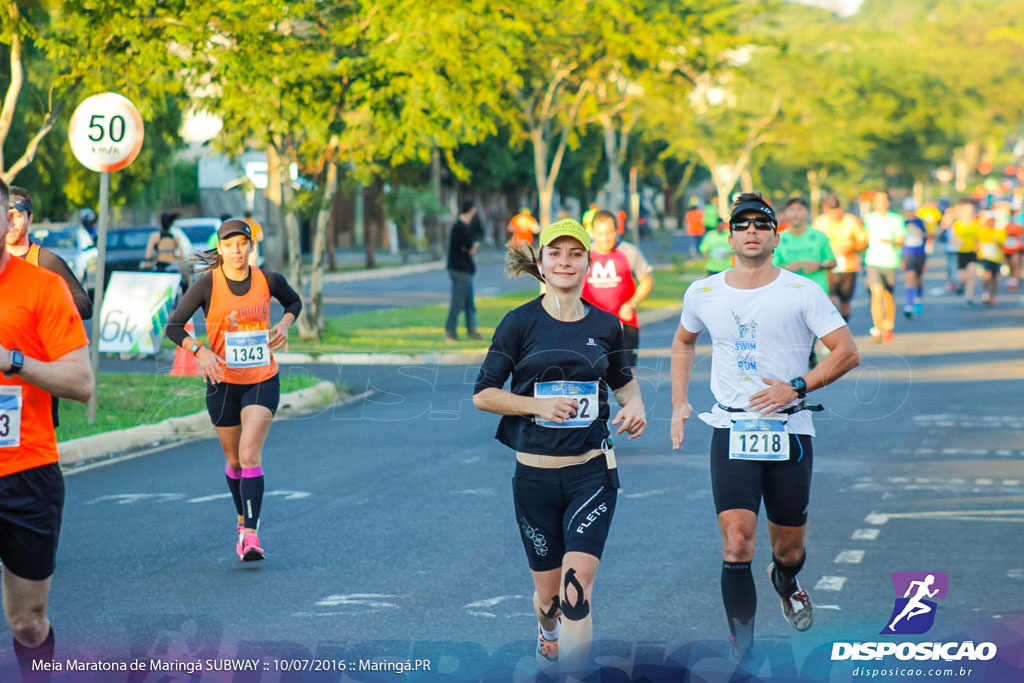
(247, 349)
(758, 437)
(584, 393)
(10, 417)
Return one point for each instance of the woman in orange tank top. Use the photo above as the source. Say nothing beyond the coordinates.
(243, 388)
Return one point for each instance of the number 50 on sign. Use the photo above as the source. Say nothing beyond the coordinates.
(106, 132)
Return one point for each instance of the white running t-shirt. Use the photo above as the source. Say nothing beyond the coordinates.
(763, 332)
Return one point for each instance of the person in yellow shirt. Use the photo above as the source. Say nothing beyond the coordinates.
(964, 237)
(990, 256)
(848, 239)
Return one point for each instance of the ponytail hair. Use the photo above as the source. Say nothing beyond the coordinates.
(207, 260)
(521, 259)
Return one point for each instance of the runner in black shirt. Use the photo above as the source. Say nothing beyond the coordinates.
(560, 352)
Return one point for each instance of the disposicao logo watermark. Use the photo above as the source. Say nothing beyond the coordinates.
(913, 614)
(916, 592)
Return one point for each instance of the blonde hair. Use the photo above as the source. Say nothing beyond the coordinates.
(521, 259)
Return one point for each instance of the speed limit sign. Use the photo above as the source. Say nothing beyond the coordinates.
(106, 132)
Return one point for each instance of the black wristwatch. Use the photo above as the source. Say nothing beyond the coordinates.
(194, 349)
(799, 386)
(17, 362)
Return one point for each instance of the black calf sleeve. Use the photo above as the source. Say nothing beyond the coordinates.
(784, 576)
(740, 599)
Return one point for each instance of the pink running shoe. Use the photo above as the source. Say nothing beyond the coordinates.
(249, 549)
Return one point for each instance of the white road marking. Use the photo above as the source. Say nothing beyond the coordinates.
(129, 498)
(875, 518)
(983, 482)
(830, 583)
(372, 600)
(1013, 516)
(645, 494)
(835, 607)
(473, 492)
(491, 602)
(206, 499)
(470, 461)
(865, 534)
(849, 557)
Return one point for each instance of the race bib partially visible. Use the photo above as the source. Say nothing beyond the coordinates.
(584, 393)
(247, 349)
(913, 240)
(10, 417)
(990, 251)
(758, 437)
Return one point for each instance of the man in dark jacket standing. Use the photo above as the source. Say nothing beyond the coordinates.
(461, 247)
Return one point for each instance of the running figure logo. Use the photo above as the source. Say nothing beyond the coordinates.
(914, 612)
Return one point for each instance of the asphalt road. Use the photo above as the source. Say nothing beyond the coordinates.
(390, 533)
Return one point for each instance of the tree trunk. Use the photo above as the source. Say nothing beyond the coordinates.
(746, 181)
(291, 227)
(614, 151)
(918, 193)
(373, 222)
(815, 179)
(435, 229)
(273, 245)
(311, 321)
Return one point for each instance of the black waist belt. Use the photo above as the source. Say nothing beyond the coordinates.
(786, 411)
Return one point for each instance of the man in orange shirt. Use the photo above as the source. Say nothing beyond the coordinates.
(523, 227)
(43, 353)
(848, 239)
(695, 227)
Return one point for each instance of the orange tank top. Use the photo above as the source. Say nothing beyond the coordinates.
(33, 255)
(239, 329)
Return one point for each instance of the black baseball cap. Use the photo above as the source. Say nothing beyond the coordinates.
(234, 226)
(22, 205)
(760, 206)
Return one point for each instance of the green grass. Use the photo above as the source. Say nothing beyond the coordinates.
(131, 399)
(420, 329)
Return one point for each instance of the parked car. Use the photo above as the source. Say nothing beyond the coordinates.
(126, 249)
(201, 232)
(73, 244)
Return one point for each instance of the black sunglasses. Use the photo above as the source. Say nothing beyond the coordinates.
(758, 223)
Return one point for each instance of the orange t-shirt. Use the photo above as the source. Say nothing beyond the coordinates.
(523, 226)
(37, 317)
(848, 238)
(238, 328)
(694, 222)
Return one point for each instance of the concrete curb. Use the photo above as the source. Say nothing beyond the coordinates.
(432, 359)
(180, 428)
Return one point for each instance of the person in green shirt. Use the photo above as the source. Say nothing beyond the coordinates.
(716, 249)
(802, 249)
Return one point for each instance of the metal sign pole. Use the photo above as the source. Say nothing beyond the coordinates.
(97, 304)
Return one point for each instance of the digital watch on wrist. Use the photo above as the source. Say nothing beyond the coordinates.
(194, 349)
(799, 386)
(17, 363)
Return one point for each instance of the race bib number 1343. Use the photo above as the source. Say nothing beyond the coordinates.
(10, 417)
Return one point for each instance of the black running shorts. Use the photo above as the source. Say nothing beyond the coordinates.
(631, 337)
(224, 401)
(965, 258)
(785, 485)
(564, 510)
(990, 266)
(914, 263)
(841, 285)
(31, 504)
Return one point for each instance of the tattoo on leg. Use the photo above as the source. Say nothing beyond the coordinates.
(579, 609)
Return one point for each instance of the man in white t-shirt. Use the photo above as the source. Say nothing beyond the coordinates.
(762, 321)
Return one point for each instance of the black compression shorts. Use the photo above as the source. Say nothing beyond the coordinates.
(741, 484)
(224, 401)
(564, 510)
(841, 285)
(31, 504)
